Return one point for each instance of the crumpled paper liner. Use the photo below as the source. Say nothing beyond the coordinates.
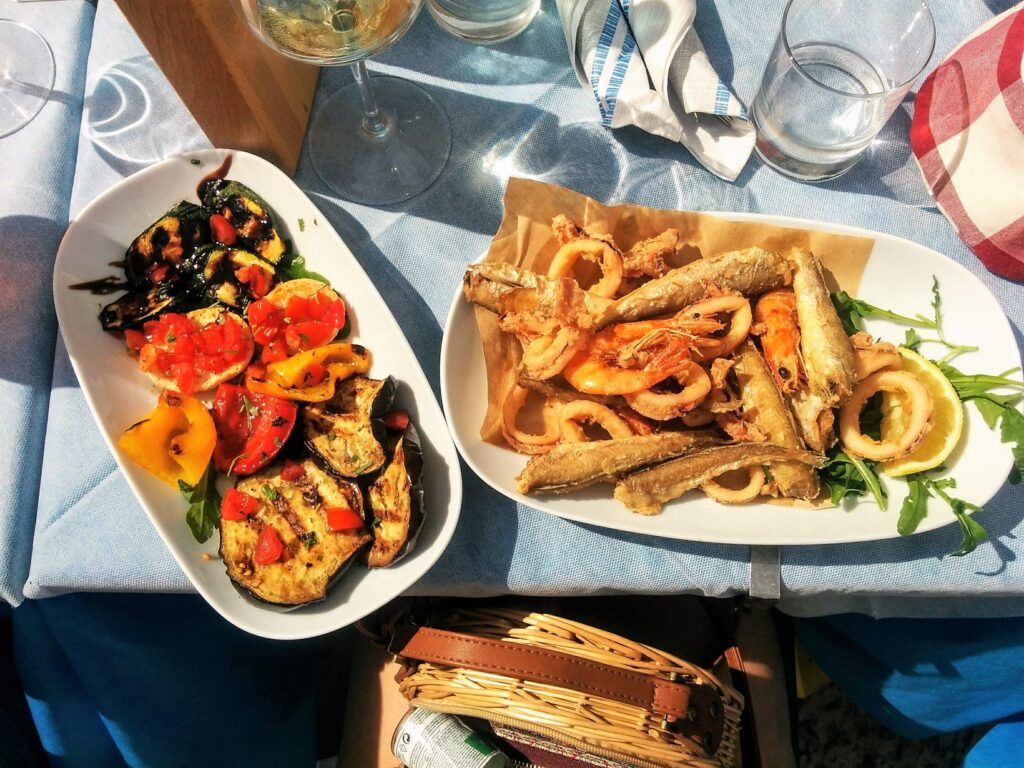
(525, 239)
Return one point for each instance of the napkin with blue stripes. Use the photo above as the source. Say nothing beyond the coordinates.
(646, 67)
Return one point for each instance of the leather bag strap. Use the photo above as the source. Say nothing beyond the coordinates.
(695, 711)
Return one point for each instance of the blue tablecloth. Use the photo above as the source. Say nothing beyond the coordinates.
(515, 109)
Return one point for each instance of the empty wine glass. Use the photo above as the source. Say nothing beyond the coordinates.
(373, 142)
(26, 75)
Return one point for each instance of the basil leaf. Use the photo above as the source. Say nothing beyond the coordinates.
(203, 514)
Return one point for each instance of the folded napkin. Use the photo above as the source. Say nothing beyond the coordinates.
(647, 67)
(968, 138)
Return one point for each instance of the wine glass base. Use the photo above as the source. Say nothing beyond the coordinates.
(373, 170)
(26, 75)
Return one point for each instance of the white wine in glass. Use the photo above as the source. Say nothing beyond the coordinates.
(374, 143)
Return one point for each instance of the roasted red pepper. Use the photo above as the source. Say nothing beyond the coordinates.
(251, 428)
(343, 519)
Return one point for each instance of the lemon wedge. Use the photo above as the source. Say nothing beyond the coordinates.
(947, 419)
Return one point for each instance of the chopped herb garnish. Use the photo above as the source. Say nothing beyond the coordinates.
(310, 540)
(195, 161)
(377, 521)
(269, 492)
(231, 466)
(304, 338)
(203, 514)
(278, 421)
(277, 442)
(170, 338)
(302, 225)
(247, 407)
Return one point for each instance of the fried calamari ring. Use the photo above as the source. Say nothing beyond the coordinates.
(749, 492)
(546, 356)
(598, 251)
(739, 327)
(663, 406)
(870, 356)
(572, 414)
(918, 401)
(523, 441)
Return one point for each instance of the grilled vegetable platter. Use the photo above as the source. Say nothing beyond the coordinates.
(700, 388)
(266, 417)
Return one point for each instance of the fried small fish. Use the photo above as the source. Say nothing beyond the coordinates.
(824, 347)
(570, 466)
(763, 405)
(750, 271)
(647, 490)
(485, 285)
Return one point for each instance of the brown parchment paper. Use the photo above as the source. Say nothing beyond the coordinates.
(525, 239)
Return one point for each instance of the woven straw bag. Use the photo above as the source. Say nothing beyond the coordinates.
(581, 691)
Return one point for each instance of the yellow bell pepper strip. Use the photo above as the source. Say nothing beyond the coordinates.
(174, 442)
(312, 375)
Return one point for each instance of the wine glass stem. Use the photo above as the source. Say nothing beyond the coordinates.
(374, 123)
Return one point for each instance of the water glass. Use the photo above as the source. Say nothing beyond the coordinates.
(484, 21)
(838, 71)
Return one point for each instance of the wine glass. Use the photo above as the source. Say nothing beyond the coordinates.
(26, 75)
(376, 142)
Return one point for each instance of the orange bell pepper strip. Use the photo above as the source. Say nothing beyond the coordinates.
(311, 376)
(174, 442)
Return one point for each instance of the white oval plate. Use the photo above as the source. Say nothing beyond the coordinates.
(119, 394)
(897, 277)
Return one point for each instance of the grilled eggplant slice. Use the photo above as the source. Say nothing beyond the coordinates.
(396, 502)
(156, 257)
(346, 431)
(215, 275)
(135, 308)
(313, 555)
(248, 214)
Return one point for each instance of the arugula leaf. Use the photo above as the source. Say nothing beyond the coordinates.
(293, 266)
(846, 475)
(203, 513)
(911, 339)
(853, 311)
(915, 508)
(993, 407)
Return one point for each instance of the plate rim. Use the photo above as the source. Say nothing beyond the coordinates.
(459, 307)
(61, 294)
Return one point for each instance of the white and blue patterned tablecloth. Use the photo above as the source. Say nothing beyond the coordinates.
(515, 109)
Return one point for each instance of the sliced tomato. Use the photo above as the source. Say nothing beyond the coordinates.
(396, 421)
(302, 336)
(251, 428)
(292, 471)
(222, 230)
(237, 505)
(268, 547)
(343, 519)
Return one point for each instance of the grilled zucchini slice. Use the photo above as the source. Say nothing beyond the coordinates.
(136, 307)
(346, 431)
(215, 271)
(156, 256)
(314, 556)
(248, 214)
(396, 502)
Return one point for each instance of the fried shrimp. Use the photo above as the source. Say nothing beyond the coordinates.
(631, 357)
(572, 415)
(775, 315)
(917, 401)
(665, 405)
(525, 442)
(601, 252)
(870, 356)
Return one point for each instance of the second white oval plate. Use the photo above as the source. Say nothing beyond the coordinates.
(898, 276)
(119, 394)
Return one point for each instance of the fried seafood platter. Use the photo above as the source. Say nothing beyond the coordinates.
(650, 370)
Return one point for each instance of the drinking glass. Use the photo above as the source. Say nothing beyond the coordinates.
(484, 21)
(374, 142)
(838, 71)
(26, 75)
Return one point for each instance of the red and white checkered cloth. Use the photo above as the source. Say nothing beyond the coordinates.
(968, 138)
